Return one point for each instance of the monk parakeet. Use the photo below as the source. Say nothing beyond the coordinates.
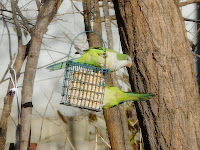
(113, 96)
(96, 56)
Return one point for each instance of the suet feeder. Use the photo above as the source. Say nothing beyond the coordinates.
(84, 84)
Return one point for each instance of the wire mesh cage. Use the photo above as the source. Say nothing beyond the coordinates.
(84, 85)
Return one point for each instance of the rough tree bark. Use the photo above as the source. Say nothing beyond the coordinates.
(45, 16)
(153, 32)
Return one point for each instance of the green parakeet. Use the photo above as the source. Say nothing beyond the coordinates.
(96, 56)
(113, 96)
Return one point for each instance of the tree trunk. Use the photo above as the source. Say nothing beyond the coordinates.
(8, 100)
(46, 14)
(153, 33)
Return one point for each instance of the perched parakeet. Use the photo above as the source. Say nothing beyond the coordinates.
(113, 96)
(96, 56)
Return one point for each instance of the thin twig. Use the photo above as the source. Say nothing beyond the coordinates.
(10, 20)
(192, 20)
(9, 38)
(75, 46)
(17, 25)
(49, 103)
(98, 132)
(196, 54)
(24, 20)
(4, 7)
(77, 8)
(55, 51)
(2, 79)
(2, 35)
(188, 2)
(49, 100)
(41, 66)
(112, 17)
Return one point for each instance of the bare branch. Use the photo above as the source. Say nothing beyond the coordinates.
(13, 5)
(192, 20)
(25, 22)
(112, 17)
(9, 38)
(11, 61)
(75, 46)
(41, 66)
(196, 55)
(100, 135)
(77, 8)
(10, 20)
(3, 6)
(188, 2)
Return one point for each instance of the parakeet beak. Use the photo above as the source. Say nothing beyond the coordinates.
(129, 65)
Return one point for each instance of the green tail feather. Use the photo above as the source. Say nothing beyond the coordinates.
(139, 97)
(57, 66)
